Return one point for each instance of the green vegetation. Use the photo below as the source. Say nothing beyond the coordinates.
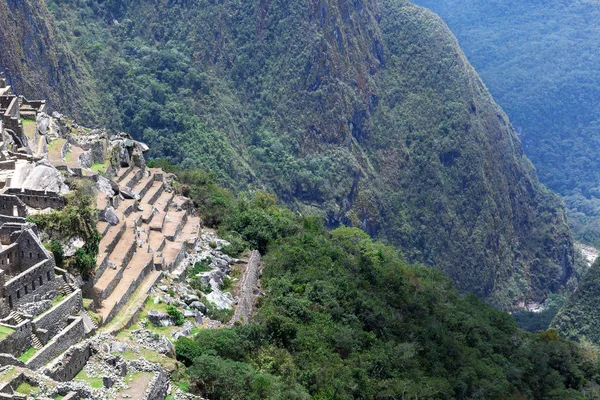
(95, 383)
(99, 168)
(5, 331)
(579, 319)
(538, 59)
(347, 317)
(27, 355)
(26, 388)
(365, 114)
(77, 219)
(176, 315)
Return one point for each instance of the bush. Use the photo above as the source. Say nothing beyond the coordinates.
(176, 315)
(58, 252)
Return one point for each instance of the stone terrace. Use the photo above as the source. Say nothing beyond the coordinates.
(151, 232)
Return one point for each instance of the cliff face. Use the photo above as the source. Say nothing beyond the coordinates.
(35, 61)
(365, 112)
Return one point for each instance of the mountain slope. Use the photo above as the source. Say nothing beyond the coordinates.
(367, 113)
(539, 59)
(37, 64)
(579, 318)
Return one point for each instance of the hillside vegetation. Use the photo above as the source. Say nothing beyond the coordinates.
(365, 113)
(345, 317)
(539, 59)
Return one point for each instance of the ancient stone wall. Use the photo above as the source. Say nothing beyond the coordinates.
(158, 387)
(53, 320)
(143, 274)
(39, 199)
(7, 359)
(9, 258)
(17, 342)
(70, 336)
(28, 286)
(12, 206)
(71, 363)
(31, 250)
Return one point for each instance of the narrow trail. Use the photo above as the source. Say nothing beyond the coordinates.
(249, 288)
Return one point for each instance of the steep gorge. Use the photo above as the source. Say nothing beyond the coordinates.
(365, 112)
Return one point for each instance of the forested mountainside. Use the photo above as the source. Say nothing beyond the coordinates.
(579, 318)
(37, 64)
(539, 60)
(346, 317)
(367, 113)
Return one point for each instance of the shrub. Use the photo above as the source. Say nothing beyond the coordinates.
(176, 315)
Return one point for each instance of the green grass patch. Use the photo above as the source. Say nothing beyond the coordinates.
(95, 383)
(55, 148)
(87, 303)
(99, 168)
(58, 299)
(27, 355)
(5, 331)
(26, 388)
(29, 127)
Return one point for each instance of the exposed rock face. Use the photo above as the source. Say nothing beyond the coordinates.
(160, 319)
(39, 177)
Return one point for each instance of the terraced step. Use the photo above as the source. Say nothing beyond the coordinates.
(121, 258)
(173, 254)
(163, 201)
(191, 230)
(124, 173)
(143, 186)
(137, 175)
(111, 239)
(130, 310)
(154, 192)
(174, 222)
(156, 241)
(126, 207)
(140, 266)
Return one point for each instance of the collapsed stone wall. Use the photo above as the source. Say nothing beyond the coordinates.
(71, 363)
(158, 387)
(70, 336)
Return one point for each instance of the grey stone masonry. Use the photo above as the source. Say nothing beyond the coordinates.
(12, 206)
(70, 336)
(71, 363)
(54, 319)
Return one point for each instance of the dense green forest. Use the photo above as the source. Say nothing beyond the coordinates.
(346, 317)
(366, 114)
(539, 59)
(579, 319)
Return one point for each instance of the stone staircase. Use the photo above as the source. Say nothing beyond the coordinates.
(36, 343)
(15, 316)
(65, 289)
(151, 236)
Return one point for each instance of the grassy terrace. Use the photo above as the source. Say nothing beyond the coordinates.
(96, 383)
(5, 331)
(55, 148)
(29, 128)
(27, 355)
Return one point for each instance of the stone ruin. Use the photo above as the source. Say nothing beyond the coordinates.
(146, 228)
